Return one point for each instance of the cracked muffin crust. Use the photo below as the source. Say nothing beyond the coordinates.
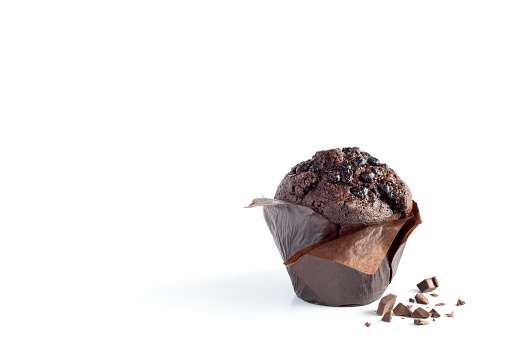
(347, 186)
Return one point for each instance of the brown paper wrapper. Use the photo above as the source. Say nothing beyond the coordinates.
(327, 269)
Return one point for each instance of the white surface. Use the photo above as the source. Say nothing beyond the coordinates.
(133, 133)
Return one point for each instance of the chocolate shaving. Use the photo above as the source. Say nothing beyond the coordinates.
(460, 302)
(450, 314)
(420, 322)
(440, 304)
(433, 294)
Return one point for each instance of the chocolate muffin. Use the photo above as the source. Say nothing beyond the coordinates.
(349, 187)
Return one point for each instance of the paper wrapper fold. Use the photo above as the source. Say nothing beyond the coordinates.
(326, 269)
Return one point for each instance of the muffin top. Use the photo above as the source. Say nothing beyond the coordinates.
(349, 187)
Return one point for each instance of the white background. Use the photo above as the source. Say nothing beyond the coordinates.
(133, 133)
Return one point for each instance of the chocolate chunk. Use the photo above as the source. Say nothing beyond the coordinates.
(420, 322)
(421, 299)
(387, 316)
(359, 191)
(401, 309)
(428, 285)
(412, 300)
(440, 304)
(451, 315)
(386, 304)
(434, 314)
(359, 161)
(367, 324)
(460, 302)
(373, 161)
(367, 176)
(420, 313)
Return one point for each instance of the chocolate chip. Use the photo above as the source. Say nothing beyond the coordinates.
(334, 176)
(346, 172)
(367, 324)
(412, 300)
(375, 192)
(349, 149)
(302, 166)
(346, 176)
(367, 176)
(376, 170)
(306, 182)
(359, 191)
(373, 161)
(460, 302)
(385, 190)
(358, 161)
(313, 168)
